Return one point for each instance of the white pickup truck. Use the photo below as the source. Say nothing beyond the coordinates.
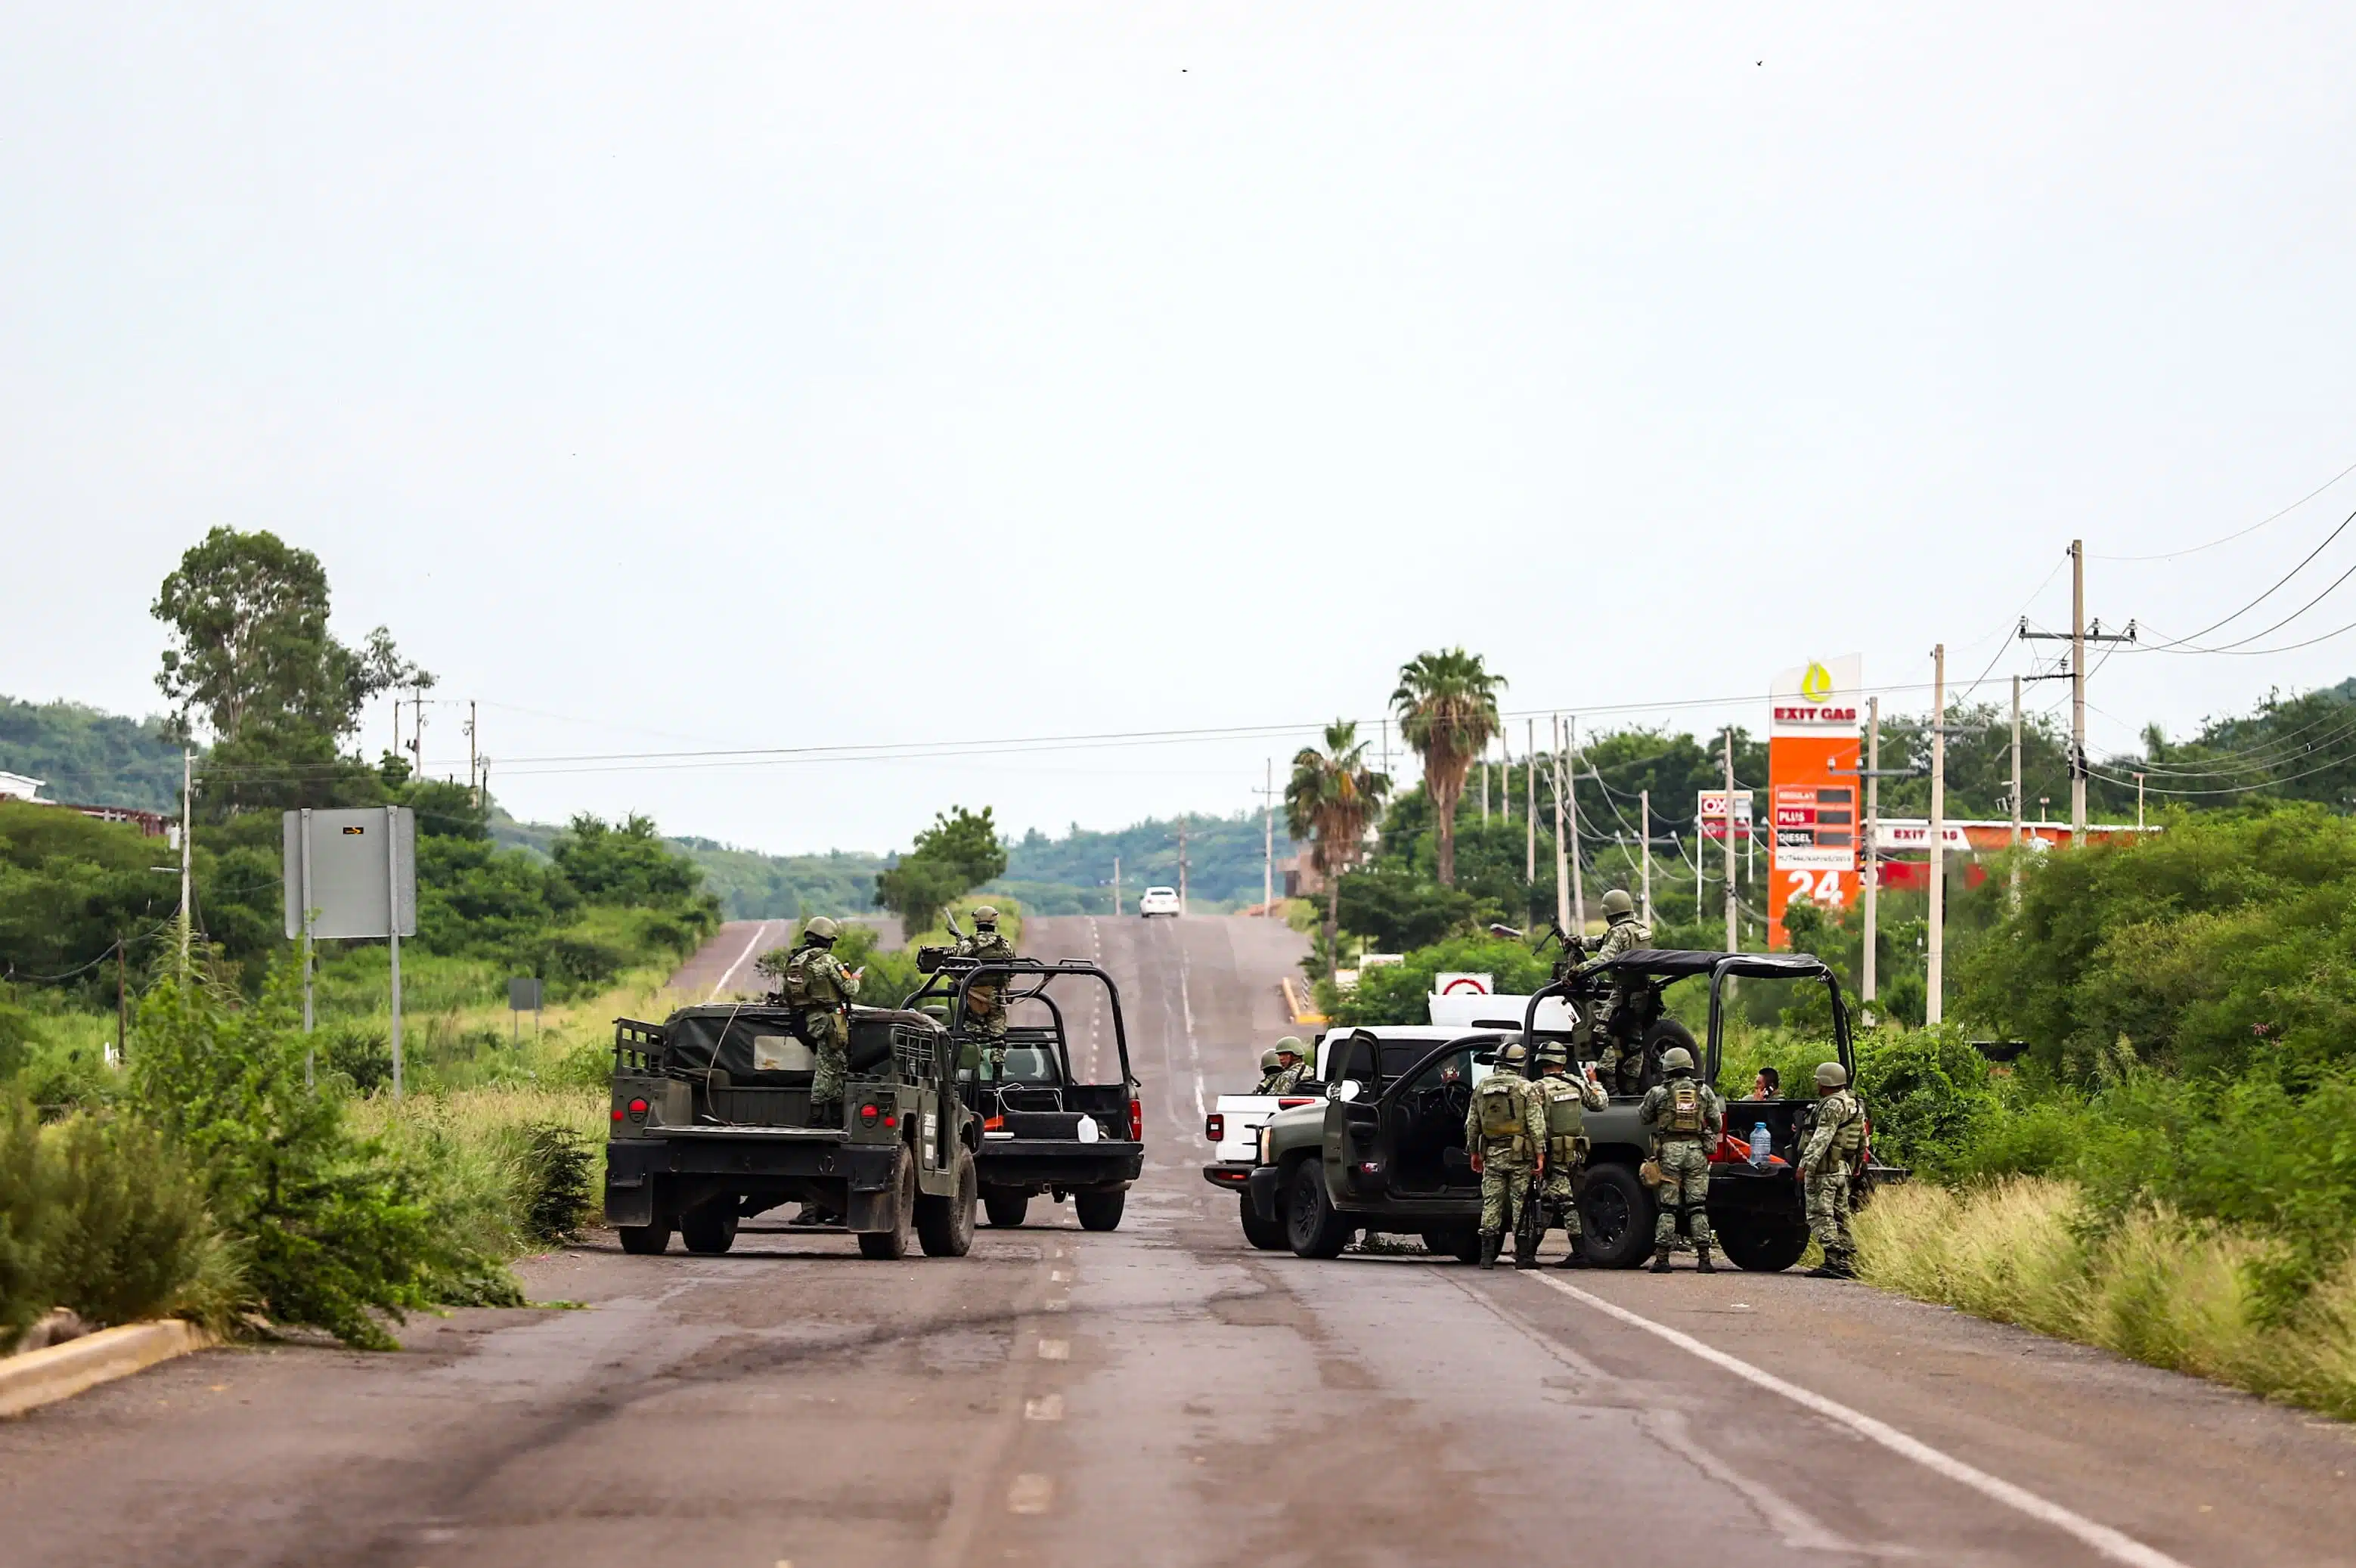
(1234, 1122)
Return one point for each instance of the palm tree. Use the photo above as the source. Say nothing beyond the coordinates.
(1329, 800)
(1447, 707)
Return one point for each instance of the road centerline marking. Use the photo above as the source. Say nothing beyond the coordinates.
(1055, 1350)
(1046, 1407)
(2116, 1545)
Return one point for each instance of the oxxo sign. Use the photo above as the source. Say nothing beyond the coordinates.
(1812, 759)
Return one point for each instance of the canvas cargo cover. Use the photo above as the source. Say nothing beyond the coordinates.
(739, 1038)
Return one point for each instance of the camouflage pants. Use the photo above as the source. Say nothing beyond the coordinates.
(1828, 1213)
(832, 1035)
(1505, 1187)
(1684, 1180)
(1561, 1177)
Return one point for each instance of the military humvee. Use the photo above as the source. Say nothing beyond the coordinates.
(710, 1123)
(1043, 1130)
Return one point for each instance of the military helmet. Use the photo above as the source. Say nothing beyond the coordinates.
(1617, 903)
(1511, 1055)
(985, 915)
(820, 929)
(1554, 1053)
(1268, 1062)
(1832, 1075)
(1676, 1059)
(1291, 1043)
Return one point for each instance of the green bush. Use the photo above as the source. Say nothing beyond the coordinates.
(360, 1053)
(335, 1229)
(22, 1296)
(553, 1190)
(1929, 1091)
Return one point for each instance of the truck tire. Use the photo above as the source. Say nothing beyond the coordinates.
(1310, 1224)
(710, 1227)
(1006, 1206)
(1616, 1215)
(645, 1241)
(945, 1224)
(1099, 1207)
(1760, 1245)
(1268, 1235)
(1463, 1245)
(894, 1242)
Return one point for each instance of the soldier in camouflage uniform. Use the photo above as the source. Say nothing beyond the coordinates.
(1826, 1157)
(1687, 1118)
(818, 987)
(1290, 1066)
(1504, 1132)
(985, 1014)
(1623, 1064)
(1271, 1065)
(1564, 1098)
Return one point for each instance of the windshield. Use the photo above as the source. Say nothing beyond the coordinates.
(1030, 1066)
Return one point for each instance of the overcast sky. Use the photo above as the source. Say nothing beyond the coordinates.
(676, 377)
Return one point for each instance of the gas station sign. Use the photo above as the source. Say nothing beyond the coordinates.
(1812, 786)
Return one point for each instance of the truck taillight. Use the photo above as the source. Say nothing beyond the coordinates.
(638, 1110)
(1215, 1127)
(1136, 1121)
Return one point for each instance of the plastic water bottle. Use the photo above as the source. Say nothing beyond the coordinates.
(1762, 1143)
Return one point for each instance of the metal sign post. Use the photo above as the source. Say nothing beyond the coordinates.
(340, 883)
(392, 814)
(523, 996)
(310, 1053)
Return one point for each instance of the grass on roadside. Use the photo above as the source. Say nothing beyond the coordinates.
(2153, 1286)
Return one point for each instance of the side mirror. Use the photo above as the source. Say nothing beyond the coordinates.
(1344, 1091)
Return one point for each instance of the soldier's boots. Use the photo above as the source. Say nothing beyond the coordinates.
(1576, 1257)
(1525, 1257)
(1836, 1266)
(1491, 1243)
(1661, 1261)
(1704, 1266)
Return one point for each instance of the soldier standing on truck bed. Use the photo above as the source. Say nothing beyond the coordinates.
(1824, 1160)
(1282, 1066)
(819, 989)
(1623, 932)
(1505, 1132)
(1687, 1118)
(985, 1011)
(1565, 1099)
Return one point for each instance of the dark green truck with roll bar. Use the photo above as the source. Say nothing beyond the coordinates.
(710, 1123)
(1383, 1152)
(1043, 1132)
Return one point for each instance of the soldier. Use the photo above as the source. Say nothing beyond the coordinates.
(1504, 1132)
(1622, 1062)
(820, 989)
(1564, 1098)
(985, 1013)
(1826, 1159)
(1270, 1066)
(1687, 1118)
(1291, 1066)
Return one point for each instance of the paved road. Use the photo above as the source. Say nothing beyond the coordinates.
(1165, 1395)
(722, 966)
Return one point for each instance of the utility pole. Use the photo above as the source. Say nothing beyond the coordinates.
(188, 781)
(1561, 866)
(121, 1004)
(1933, 986)
(1872, 851)
(1268, 848)
(473, 784)
(1116, 884)
(1181, 866)
(2079, 636)
(1484, 790)
(1530, 806)
(1578, 889)
(2139, 802)
(1732, 945)
(1506, 777)
(2015, 791)
(1645, 820)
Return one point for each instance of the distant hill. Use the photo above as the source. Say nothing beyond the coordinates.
(91, 758)
(1223, 861)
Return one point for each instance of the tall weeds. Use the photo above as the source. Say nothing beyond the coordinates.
(2188, 1295)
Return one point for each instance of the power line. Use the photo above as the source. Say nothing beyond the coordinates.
(2278, 585)
(2239, 533)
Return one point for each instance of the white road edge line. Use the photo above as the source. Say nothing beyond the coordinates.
(2110, 1543)
(730, 972)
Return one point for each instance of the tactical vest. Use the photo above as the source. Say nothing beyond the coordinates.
(1849, 1132)
(1499, 1103)
(1683, 1115)
(1565, 1119)
(801, 989)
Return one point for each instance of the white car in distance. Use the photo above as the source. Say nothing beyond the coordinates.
(1158, 901)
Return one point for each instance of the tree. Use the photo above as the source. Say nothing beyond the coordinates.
(1447, 707)
(1328, 801)
(956, 855)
